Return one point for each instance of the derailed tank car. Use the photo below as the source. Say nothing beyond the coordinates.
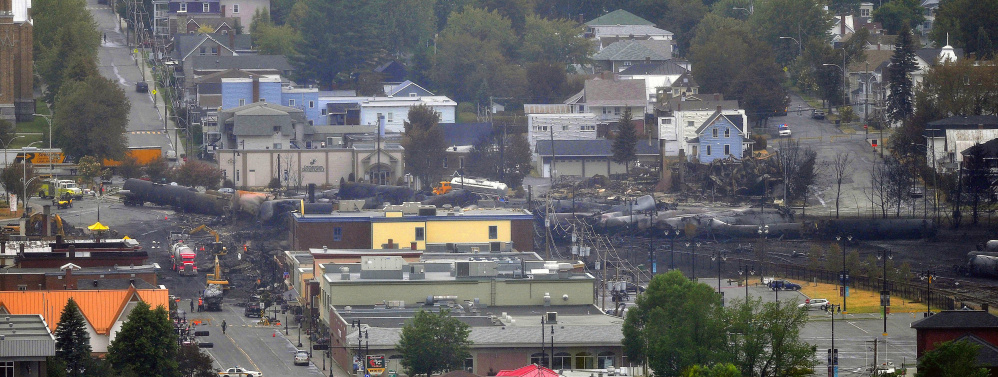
(137, 192)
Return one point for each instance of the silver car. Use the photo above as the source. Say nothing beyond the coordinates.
(301, 358)
(814, 303)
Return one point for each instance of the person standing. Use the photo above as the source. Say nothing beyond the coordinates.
(223, 327)
(192, 305)
(200, 304)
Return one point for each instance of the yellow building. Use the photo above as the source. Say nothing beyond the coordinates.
(410, 227)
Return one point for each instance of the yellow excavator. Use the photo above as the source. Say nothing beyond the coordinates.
(215, 277)
(215, 247)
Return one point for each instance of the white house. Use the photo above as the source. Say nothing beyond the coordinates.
(678, 123)
(947, 138)
(560, 127)
(657, 78)
(396, 110)
(608, 99)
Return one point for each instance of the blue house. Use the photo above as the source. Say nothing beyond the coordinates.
(719, 137)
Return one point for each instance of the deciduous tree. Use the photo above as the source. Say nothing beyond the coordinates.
(841, 167)
(13, 183)
(146, 344)
(897, 13)
(72, 342)
(192, 362)
(196, 173)
(91, 118)
(958, 23)
(508, 165)
(424, 145)
(951, 359)
(432, 342)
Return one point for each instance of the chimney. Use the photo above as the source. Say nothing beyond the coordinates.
(223, 10)
(842, 26)
(256, 88)
(717, 96)
(718, 108)
(581, 21)
(232, 41)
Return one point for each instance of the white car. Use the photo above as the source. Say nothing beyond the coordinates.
(301, 358)
(784, 130)
(239, 372)
(814, 303)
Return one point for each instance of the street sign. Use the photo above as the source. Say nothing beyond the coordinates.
(154, 91)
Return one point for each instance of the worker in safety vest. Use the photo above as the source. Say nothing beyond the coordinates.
(200, 304)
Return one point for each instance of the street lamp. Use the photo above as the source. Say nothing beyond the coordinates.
(763, 233)
(928, 276)
(24, 179)
(694, 244)
(48, 118)
(7, 144)
(672, 234)
(833, 353)
(799, 48)
(885, 295)
(720, 257)
(746, 270)
(844, 274)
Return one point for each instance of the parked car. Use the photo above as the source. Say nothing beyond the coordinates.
(814, 303)
(817, 114)
(783, 285)
(239, 372)
(141, 87)
(635, 288)
(916, 192)
(301, 357)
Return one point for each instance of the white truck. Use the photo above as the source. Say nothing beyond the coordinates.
(239, 372)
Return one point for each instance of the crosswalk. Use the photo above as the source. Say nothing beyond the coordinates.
(145, 132)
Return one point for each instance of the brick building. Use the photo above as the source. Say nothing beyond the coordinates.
(16, 94)
(976, 326)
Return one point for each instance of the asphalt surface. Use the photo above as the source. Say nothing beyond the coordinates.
(118, 63)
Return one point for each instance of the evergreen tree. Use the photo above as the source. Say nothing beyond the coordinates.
(626, 141)
(146, 344)
(900, 99)
(985, 50)
(951, 359)
(72, 342)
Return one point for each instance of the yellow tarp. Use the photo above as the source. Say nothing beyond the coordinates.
(98, 227)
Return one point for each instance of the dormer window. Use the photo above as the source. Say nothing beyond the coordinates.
(183, 7)
(205, 7)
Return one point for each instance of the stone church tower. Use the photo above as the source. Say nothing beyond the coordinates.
(16, 91)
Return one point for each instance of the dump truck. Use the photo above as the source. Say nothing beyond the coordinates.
(213, 298)
(182, 257)
(142, 155)
(60, 188)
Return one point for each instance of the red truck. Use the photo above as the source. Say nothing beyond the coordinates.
(182, 257)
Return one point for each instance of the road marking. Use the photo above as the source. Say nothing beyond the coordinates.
(146, 132)
(860, 328)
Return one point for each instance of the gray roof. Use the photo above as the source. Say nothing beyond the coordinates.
(636, 50)
(615, 92)
(512, 336)
(929, 55)
(590, 148)
(619, 17)
(259, 119)
(710, 105)
(964, 122)
(958, 319)
(661, 68)
(460, 134)
(24, 336)
(734, 120)
(630, 31)
(246, 62)
(988, 149)
(185, 44)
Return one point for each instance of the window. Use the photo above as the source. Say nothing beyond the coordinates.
(588, 127)
(277, 145)
(337, 234)
(708, 150)
(183, 7)
(263, 100)
(235, 8)
(604, 360)
(713, 132)
(391, 116)
(562, 360)
(616, 111)
(564, 128)
(322, 112)
(666, 121)
(203, 51)
(582, 108)
(22, 287)
(469, 365)
(6, 369)
(214, 50)
(727, 132)
(242, 101)
(690, 124)
(727, 149)
(291, 102)
(205, 7)
(412, 94)
(311, 104)
(584, 360)
(420, 234)
(493, 232)
(540, 128)
(606, 110)
(539, 359)
(277, 129)
(461, 162)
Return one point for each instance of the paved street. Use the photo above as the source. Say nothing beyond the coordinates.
(145, 122)
(256, 347)
(854, 333)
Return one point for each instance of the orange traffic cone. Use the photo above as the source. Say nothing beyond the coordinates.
(274, 335)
